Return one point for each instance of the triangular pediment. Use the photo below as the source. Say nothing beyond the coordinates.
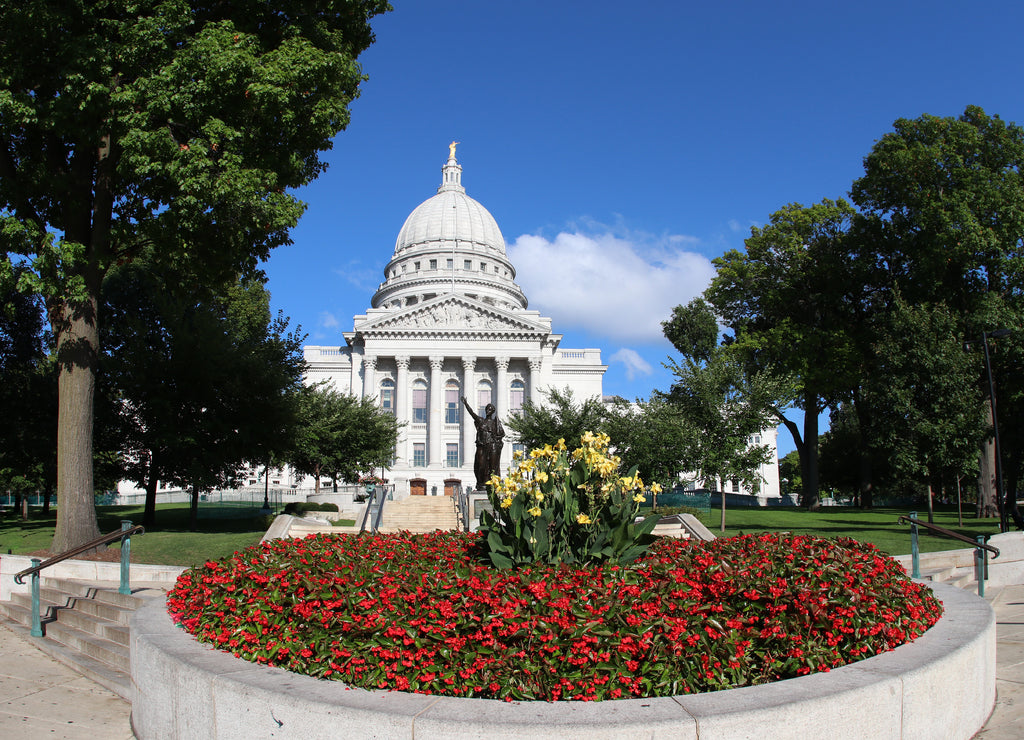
(452, 314)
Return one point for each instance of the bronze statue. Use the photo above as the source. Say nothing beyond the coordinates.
(489, 434)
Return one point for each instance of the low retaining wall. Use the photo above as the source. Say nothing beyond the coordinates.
(940, 686)
(81, 570)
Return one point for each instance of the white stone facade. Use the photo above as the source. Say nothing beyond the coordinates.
(449, 321)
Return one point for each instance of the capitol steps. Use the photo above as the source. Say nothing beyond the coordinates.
(419, 514)
(85, 626)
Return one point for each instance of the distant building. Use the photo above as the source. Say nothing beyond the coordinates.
(449, 321)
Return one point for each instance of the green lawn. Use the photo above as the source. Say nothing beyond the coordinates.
(171, 542)
(877, 526)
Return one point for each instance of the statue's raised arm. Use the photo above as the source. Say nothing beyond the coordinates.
(470, 409)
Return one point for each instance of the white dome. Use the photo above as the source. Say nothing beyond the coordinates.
(450, 216)
(449, 244)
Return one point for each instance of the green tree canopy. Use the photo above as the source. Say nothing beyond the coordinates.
(558, 416)
(341, 436)
(791, 300)
(169, 126)
(199, 384)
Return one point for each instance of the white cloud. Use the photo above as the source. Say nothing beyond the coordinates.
(328, 320)
(618, 287)
(635, 364)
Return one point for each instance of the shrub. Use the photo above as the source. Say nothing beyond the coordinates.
(423, 613)
(566, 507)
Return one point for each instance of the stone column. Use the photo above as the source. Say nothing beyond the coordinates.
(535, 380)
(435, 418)
(354, 383)
(370, 375)
(403, 392)
(468, 427)
(501, 387)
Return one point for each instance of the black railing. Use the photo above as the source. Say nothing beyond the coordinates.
(981, 548)
(127, 530)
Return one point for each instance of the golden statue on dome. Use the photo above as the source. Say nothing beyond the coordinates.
(451, 149)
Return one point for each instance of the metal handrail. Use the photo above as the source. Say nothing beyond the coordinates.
(950, 533)
(980, 548)
(125, 533)
(91, 545)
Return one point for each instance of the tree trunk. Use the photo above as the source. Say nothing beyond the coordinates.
(931, 503)
(866, 486)
(988, 505)
(152, 477)
(1010, 495)
(722, 488)
(77, 351)
(809, 457)
(193, 509)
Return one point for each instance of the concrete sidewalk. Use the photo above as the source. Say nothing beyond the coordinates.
(41, 698)
(1007, 720)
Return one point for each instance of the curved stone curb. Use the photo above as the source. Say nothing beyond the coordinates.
(940, 686)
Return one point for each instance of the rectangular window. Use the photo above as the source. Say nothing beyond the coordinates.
(452, 454)
(419, 405)
(483, 397)
(515, 398)
(467, 265)
(416, 266)
(419, 454)
(450, 264)
(387, 400)
(451, 405)
(433, 264)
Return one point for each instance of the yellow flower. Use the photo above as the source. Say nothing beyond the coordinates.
(535, 511)
(655, 488)
(639, 498)
(582, 519)
(542, 477)
(538, 495)
(506, 502)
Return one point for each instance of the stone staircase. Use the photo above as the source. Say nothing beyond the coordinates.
(85, 627)
(419, 514)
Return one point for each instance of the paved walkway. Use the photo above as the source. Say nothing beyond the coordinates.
(41, 698)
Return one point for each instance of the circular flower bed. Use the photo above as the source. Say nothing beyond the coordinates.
(423, 613)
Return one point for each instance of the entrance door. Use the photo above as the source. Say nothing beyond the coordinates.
(451, 486)
(418, 487)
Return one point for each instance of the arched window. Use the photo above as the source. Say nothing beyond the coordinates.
(484, 396)
(419, 402)
(451, 402)
(516, 396)
(387, 395)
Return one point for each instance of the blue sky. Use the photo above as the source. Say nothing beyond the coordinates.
(623, 146)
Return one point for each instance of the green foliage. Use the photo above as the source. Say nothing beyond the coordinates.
(558, 416)
(559, 506)
(197, 382)
(167, 127)
(791, 300)
(653, 436)
(341, 435)
(296, 508)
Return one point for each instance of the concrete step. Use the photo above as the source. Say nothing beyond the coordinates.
(85, 626)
